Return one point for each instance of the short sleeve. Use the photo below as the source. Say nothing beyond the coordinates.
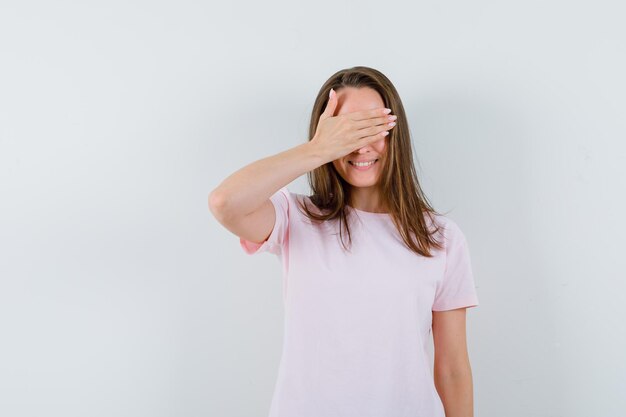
(279, 235)
(456, 289)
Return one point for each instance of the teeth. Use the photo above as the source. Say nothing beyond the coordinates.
(363, 164)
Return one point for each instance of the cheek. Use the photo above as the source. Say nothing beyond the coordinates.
(380, 145)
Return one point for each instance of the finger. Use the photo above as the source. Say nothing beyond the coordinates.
(373, 131)
(331, 105)
(368, 114)
(376, 121)
(367, 140)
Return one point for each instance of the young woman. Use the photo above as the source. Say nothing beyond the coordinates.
(358, 314)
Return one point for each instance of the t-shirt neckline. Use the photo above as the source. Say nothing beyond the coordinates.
(369, 213)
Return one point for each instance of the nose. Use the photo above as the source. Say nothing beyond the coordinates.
(364, 149)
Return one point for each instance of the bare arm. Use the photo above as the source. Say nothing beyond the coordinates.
(453, 373)
(241, 202)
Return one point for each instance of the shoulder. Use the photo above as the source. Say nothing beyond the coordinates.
(302, 200)
(290, 195)
(285, 192)
(291, 200)
(450, 229)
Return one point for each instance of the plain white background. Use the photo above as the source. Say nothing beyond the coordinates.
(120, 294)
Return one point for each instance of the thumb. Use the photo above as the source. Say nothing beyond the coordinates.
(329, 111)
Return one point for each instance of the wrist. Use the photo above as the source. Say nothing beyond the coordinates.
(314, 153)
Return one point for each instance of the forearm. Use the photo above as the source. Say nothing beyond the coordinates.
(246, 189)
(456, 392)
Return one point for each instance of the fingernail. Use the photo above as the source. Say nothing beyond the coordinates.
(330, 93)
(387, 111)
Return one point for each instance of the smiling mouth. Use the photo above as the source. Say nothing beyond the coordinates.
(364, 165)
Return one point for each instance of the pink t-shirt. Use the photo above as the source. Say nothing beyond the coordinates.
(356, 325)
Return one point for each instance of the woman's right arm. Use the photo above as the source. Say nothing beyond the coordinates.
(241, 203)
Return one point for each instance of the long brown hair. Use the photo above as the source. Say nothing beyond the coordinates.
(400, 188)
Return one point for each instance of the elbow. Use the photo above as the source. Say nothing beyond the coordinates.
(458, 370)
(217, 204)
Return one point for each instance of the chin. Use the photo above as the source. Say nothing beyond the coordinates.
(361, 183)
